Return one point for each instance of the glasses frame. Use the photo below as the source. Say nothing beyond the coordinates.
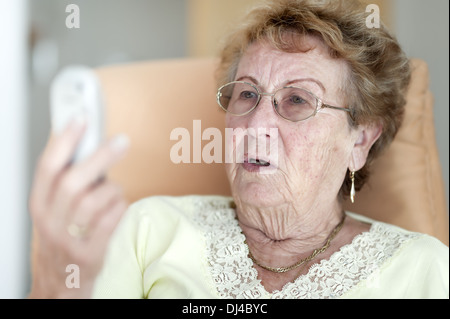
(319, 103)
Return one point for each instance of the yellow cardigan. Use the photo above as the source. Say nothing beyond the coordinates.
(192, 247)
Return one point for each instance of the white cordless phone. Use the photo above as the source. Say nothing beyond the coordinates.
(76, 91)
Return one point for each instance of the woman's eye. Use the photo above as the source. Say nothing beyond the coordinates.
(297, 99)
(248, 95)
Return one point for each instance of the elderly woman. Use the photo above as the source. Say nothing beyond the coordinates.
(306, 76)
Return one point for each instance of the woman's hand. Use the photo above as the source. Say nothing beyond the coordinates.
(74, 211)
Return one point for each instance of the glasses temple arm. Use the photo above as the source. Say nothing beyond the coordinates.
(350, 111)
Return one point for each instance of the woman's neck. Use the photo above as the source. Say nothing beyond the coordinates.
(280, 236)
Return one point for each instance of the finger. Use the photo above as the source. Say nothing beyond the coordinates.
(54, 159)
(98, 199)
(97, 166)
(100, 235)
(76, 181)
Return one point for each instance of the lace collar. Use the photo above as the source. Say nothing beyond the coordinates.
(234, 276)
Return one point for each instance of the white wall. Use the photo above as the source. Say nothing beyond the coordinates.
(13, 152)
(422, 28)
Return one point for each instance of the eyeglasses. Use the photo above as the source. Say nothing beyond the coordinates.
(291, 103)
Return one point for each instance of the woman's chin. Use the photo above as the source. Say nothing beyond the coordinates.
(254, 188)
(258, 194)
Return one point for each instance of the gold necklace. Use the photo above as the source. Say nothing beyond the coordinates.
(305, 260)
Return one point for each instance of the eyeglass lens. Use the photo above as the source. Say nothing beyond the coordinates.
(292, 103)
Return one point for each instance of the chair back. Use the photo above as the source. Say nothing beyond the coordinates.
(168, 106)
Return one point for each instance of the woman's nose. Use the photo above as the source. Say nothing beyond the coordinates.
(263, 116)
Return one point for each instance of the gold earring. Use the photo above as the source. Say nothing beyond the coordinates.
(352, 190)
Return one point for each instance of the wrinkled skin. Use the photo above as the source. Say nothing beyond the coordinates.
(289, 210)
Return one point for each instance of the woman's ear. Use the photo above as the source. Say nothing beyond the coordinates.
(366, 137)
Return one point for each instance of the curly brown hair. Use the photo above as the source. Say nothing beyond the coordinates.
(379, 70)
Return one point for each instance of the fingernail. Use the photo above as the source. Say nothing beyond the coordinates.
(120, 143)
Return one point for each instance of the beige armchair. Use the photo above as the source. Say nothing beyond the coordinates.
(148, 100)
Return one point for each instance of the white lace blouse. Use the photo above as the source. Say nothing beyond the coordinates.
(192, 247)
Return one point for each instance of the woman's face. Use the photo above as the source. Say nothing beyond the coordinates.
(309, 159)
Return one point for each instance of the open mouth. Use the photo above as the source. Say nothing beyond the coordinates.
(258, 162)
(255, 164)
